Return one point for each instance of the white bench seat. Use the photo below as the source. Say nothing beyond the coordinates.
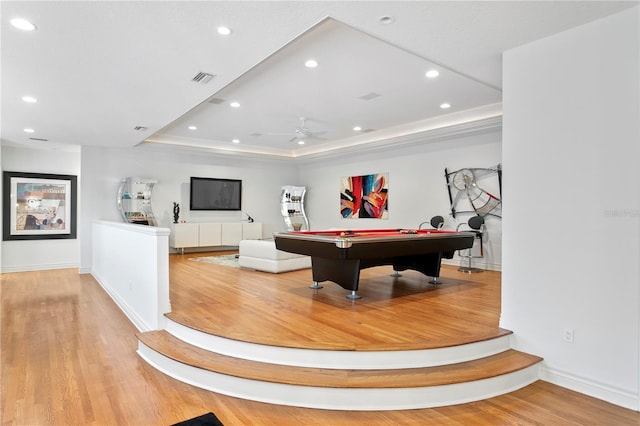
(262, 255)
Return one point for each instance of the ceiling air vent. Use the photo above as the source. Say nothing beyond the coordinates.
(202, 78)
(216, 101)
(370, 96)
(140, 128)
(39, 139)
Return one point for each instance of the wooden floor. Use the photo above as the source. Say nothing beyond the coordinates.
(280, 309)
(68, 353)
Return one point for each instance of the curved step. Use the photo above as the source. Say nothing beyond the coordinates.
(258, 335)
(376, 389)
(338, 357)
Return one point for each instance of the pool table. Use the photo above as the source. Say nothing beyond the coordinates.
(339, 255)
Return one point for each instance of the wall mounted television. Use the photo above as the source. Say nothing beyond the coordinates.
(215, 194)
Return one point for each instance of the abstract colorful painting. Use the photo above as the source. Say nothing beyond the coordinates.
(365, 196)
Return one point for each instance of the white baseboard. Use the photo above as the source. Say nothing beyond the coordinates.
(42, 267)
(135, 319)
(586, 386)
(487, 266)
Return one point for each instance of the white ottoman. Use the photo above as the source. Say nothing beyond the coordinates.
(262, 255)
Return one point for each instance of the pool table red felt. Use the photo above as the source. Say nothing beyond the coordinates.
(339, 255)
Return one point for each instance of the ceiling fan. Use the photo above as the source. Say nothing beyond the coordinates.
(300, 133)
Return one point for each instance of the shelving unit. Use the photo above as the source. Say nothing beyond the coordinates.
(134, 201)
(292, 208)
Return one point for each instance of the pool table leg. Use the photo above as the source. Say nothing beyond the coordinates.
(353, 296)
(316, 286)
(396, 274)
(434, 281)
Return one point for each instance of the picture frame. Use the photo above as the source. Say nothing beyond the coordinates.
(365, 196)
(38, 206)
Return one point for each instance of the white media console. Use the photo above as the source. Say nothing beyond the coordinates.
(188, 235)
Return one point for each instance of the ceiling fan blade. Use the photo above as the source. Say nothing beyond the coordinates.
(300, 133)
(280, 134)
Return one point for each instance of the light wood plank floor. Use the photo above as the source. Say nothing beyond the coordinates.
(68, 357)
(280, 309)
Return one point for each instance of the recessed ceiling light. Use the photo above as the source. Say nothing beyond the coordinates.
(236, 141)
(23, 24)
(29, 99)
(432, 73)
(192, 128)
(29, 130)
(235, 104)
(311, 63)
(357, 128)
(224, 30)
(301, 142)
(386, 20)
(445, 105)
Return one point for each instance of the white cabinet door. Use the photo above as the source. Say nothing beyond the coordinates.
(184, 235)
(231, 233)
(252, 231)
(210, 234)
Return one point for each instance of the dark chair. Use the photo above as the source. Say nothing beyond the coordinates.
(436, 222)
(475, 225)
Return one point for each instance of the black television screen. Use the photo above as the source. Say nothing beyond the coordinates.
(215, 194)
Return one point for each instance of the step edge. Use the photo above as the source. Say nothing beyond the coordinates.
(357, 399)
(406, 377)
(172, 318)
(320, 358)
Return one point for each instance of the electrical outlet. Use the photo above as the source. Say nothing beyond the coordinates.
(568, 335)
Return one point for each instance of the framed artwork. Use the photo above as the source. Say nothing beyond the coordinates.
(365, 196)
(475, 190)
(38, 206)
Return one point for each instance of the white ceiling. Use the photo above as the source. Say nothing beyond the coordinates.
(101, 68)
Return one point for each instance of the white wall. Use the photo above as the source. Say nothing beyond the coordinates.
(131, 263)
(417, 186)
(26, 255)
(103, 169)
(571, 229)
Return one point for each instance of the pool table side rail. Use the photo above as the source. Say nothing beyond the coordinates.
(372, 247)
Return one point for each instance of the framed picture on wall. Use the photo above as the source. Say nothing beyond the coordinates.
(38, 206)
(365, 197)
